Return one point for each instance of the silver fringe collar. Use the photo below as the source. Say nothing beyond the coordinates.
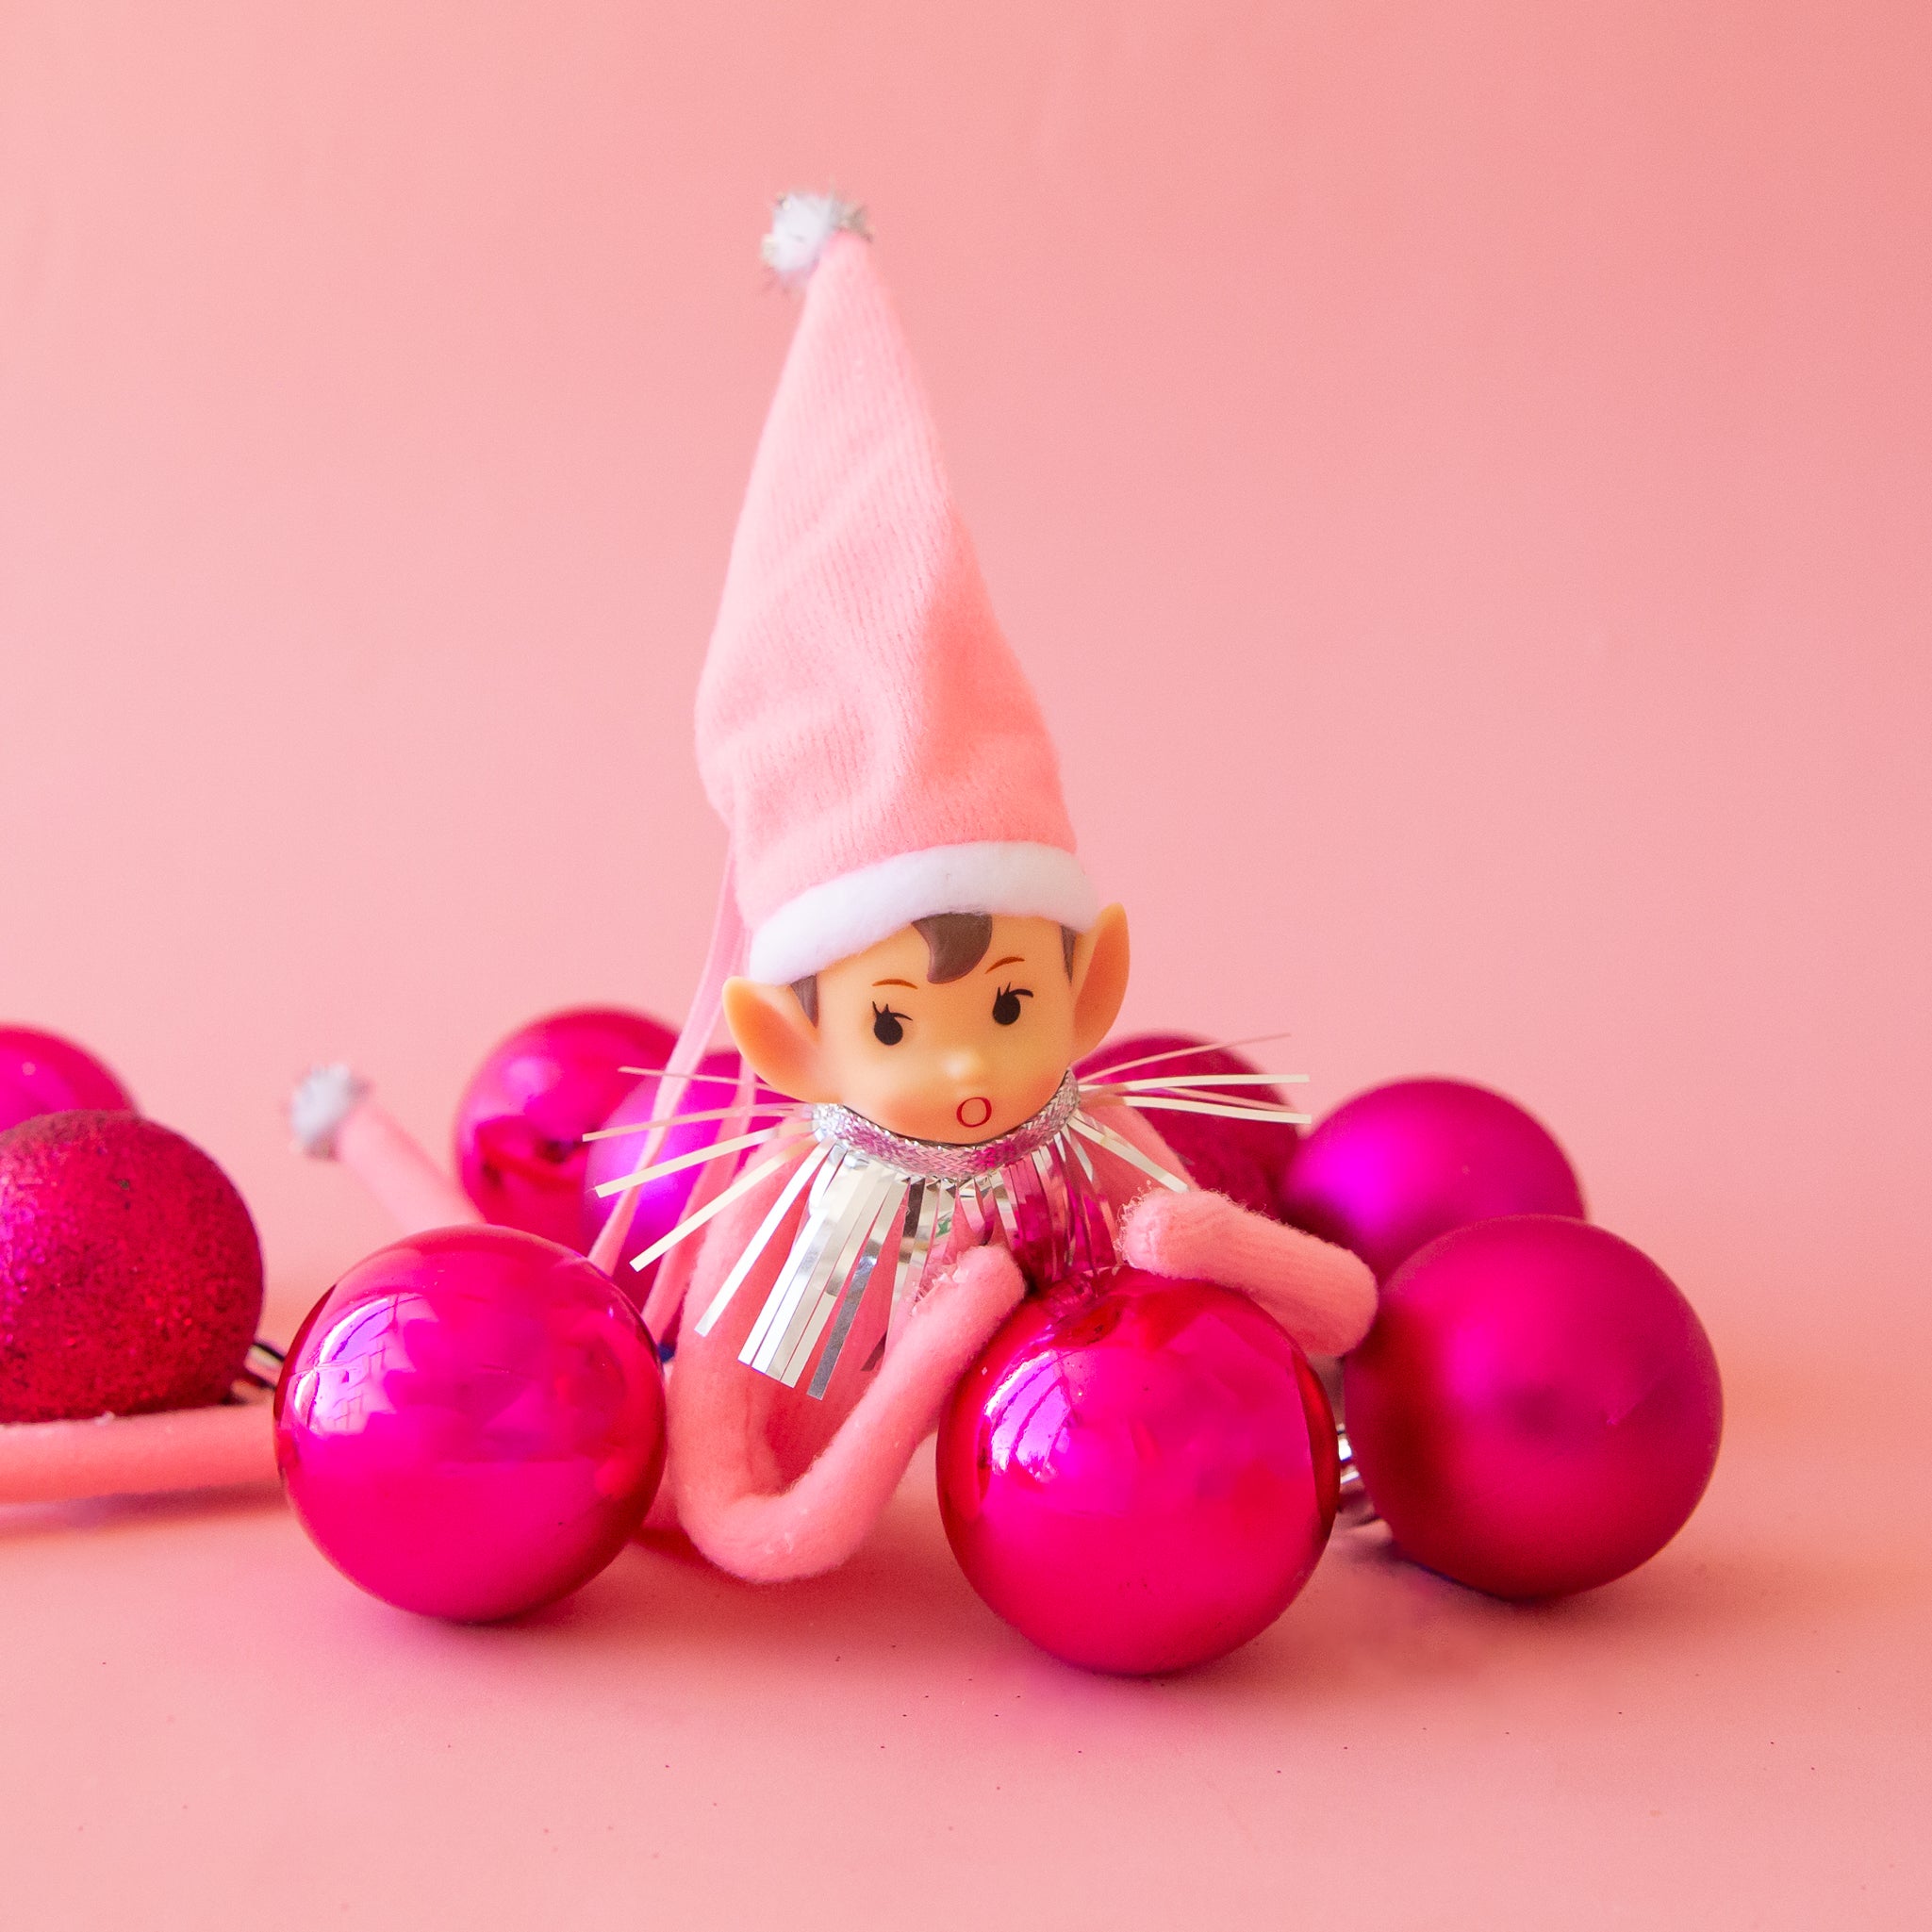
(875, 1194)
(873, 1197)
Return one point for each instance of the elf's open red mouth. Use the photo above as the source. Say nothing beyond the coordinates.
(974, 1113)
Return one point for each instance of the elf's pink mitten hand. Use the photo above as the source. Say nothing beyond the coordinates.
(822, 1519)
(1322, 1294)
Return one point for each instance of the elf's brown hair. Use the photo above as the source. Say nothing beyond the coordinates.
(955, 944)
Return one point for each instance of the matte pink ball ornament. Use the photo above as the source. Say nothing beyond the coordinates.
(130, 1276)
(1399, 1164)
(521, 1152)
(1138, 1474)
(470, 1422)
(1243, 1158)
(42, 1073)
(1537, 1409)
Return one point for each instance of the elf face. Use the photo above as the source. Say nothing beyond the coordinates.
(957, 1028)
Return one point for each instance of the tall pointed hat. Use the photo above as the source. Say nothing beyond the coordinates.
(864, 728)
(872, 743)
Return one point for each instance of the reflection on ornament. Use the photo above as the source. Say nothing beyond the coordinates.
(470, 1422)
(1138, 1474)
(1398, 1166)
(522, 1120)
(1537, 1410)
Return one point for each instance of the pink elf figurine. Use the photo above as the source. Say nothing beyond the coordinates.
(906, 945)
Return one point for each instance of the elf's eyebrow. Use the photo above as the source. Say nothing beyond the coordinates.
(1011, 959)
(896, 982)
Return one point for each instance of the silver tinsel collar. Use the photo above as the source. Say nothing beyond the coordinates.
(870, 1191)
(873, 1190)
(931, 1160)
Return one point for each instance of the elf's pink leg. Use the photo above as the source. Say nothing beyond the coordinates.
(730, 1500)
(137, 1455)
(333, 1119)
(1322, 1294)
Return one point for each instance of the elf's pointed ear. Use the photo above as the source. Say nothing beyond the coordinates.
(1099, 979)
(769, 1027)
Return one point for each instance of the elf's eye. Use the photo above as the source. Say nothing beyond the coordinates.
(888, 1028)
(1006, 1004)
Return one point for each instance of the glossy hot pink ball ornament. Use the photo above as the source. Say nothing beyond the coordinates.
(470, 1422)
(1243, 1158)
(42, 1073)
(661, 1202)
(521, 1121)
(1401, 1163)
(1537, 1409)
(130, 1276)
(1138, 1474)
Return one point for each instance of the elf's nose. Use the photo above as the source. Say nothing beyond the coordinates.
(965, 1067)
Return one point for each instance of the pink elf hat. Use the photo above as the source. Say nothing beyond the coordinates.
(864, 728)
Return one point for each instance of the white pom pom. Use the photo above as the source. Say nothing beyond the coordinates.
(325, 1097)
(800, 227)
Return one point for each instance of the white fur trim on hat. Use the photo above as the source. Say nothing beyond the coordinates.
(829, 922)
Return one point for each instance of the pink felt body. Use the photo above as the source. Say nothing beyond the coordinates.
(770, 1484)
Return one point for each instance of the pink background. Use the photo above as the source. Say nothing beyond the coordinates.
(1459, 477)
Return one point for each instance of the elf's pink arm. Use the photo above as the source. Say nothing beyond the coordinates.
(1322, 1294)
(771, 1485)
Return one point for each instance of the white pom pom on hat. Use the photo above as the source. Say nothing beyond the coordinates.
(801, 224)
(864, 728)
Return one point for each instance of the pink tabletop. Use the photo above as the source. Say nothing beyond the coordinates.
(209, 1725)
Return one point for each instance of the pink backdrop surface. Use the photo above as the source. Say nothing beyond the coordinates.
(1459, 478)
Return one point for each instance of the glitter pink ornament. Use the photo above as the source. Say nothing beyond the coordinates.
(470, 1422)
(1243, 1158)
(1398, 1166)
(521, 1121)
(1537, 1410)
(660, 1202)
(42, 1073)
(1138, 1474)
(130, 1276)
